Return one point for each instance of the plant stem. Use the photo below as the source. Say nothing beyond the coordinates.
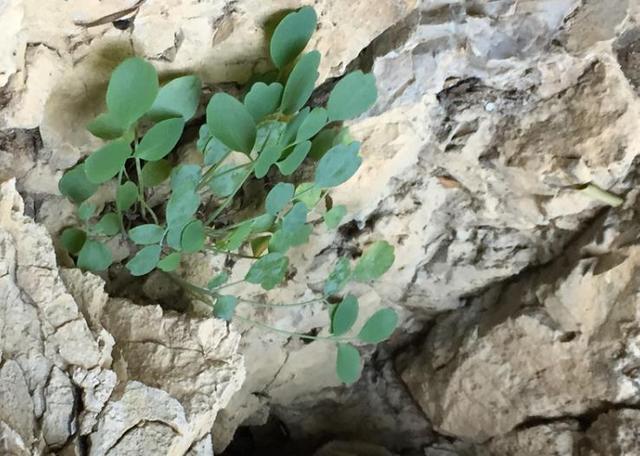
(204, 180)
(239, 255)
(118, 211)
(295, 304)
(143, 203)
(229, 198)
(291, 333)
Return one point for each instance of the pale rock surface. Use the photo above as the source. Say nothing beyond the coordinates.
(57, 347)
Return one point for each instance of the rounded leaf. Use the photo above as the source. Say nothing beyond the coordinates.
(308, 193)
(193, 237)
(292, 35)
(86, 210)
(132, 90)
(334, 216)
(278, 197)
(73, 239)
(375, 261)
(218, 280)
(180, 209)
(126, 195)
(352, 96)
(338, 165)
(160, 139)
(225, 307)
(156, 172)
(106, 162)
(94, 256)
(75, 185)
(170, 262)
(263, 99)
(225, 181)
(295, 159)
(106, 126)
(348, 365)
(268, 271)
(108, 225)
(338, 277)
(312, 124)
(344, 316)
(145, 260)
(230, 122)
(379, 326)
(301, 83)
(177, 98)
(146, 234)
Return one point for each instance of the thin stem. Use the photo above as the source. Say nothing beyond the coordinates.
(295, 304)
(291, 333)
(212, 169)
(140, 186)
(230, 284)
(229, 198)
(118, 211)
(235, 254)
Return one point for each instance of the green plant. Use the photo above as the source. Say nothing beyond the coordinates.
(266, 137)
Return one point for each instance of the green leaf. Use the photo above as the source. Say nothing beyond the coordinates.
(215, 151)
(268, 271)
(293, 161)
(146, 234)
(301, 83)
(160, 139)
(75, 185)
(126, 195)
(312, 124)
(282, 240)
(334, 216)
(177, 98)
(344, 316)
(338, 278)
(170, 262)
(105, 162)
(291, 130)
(218, 280)
(225, 307)
(106, 126)
(86, 210)
(174, 235)
(268, 157)
(308, 193)
(352, 96)
(262, 223)
(94, 256)
(278, 197)
(348, 365)
(193, 237)
(225, 182)
(180, 209)
(338, 165)
(269, 132)
(145, 260)
(238, 236)
(132, 90)
(156, 172)
(375, 261)
(379, 326)
(292, 35)
(296, 217)
(108, 225)
(323, 142)
(263, 99)
(185, 178)
(73, 239)
(231, 123)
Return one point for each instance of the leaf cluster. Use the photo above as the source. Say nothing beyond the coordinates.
(267, 135)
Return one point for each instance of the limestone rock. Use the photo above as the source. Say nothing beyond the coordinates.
(351, 449)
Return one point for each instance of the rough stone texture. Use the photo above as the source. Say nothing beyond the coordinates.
(492, 118)
(57, 344)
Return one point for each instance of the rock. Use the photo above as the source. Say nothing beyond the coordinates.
(558, 342)
(44, 334)
(553, 439)
(613, 433)
(55, 69)
(351, 449)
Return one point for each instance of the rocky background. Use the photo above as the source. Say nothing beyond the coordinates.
(503, 132)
